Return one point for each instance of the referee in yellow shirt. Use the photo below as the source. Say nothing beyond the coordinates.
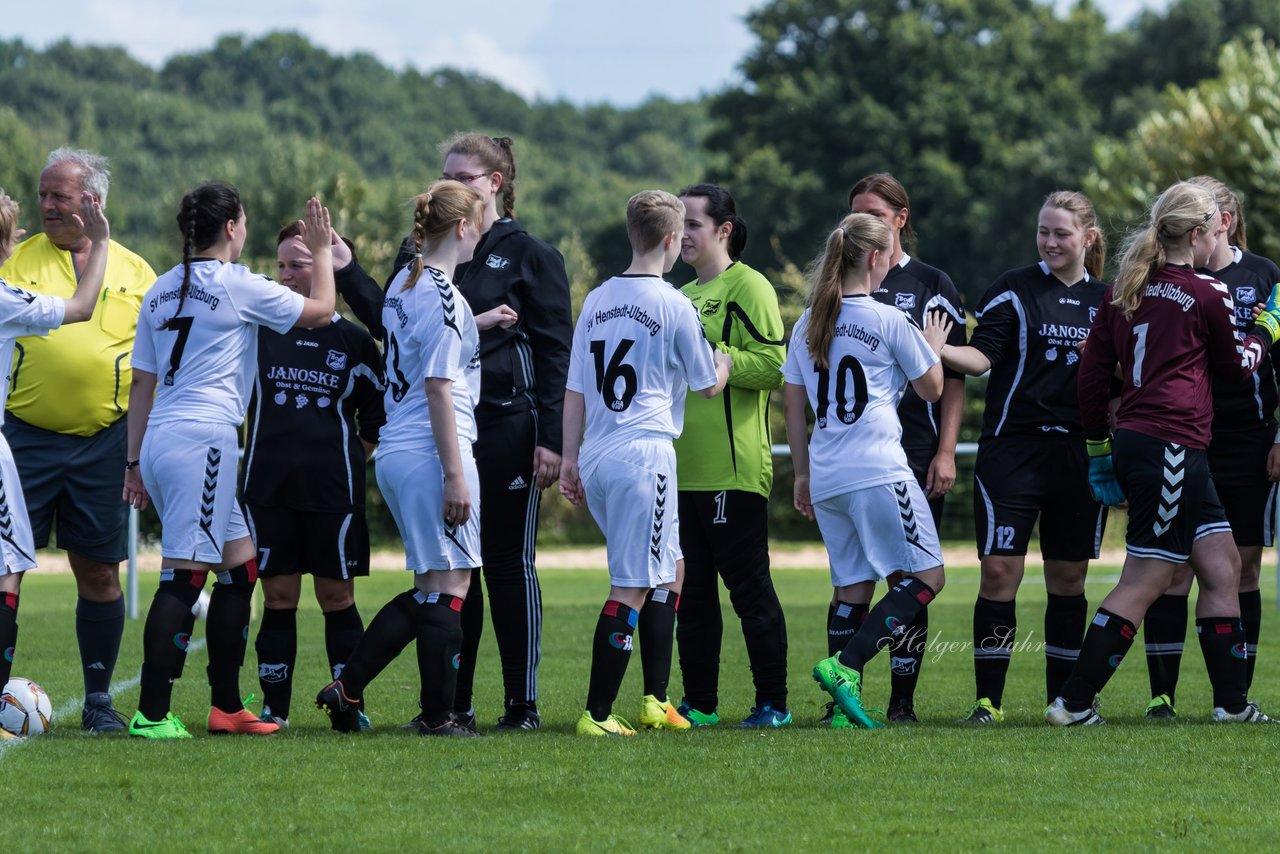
(66, 421)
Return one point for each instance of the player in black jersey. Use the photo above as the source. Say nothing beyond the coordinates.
(523, 365)
(1242, 454)
(929, 431)
(1031, 461)
(313, 423)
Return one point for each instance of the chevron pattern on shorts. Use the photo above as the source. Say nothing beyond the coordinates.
(208, 492)
(907, 513)
(659, 510)
(1175, 457)
(6, 523)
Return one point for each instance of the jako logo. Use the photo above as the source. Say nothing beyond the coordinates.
(1115, 660)
(182, 640)
(895, 626)
(1239, 651)
(457, 660)
(620, 641)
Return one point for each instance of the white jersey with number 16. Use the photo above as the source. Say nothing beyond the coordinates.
(637, 350)
(857, 437)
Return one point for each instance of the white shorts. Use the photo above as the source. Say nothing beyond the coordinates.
(16, 544)
(412, 483)
(874, 532)
(632, 496)
(189, 469)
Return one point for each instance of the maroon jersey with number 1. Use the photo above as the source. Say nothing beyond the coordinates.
(1182, 335)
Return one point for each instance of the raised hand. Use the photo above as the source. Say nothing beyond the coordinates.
(317, 232)
(91, 220)
(937, 326)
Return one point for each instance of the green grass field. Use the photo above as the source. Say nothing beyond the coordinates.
(1131, 784)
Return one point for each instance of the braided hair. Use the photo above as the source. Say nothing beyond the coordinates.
(435, 213)
(204, 212)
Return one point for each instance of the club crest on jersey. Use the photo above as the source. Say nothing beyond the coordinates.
(1247, 295)
(906, 302)
(336, 360)
(497, 262)
(710, 307)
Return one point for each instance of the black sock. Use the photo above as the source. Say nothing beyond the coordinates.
(1105, 643)
(8, 634)
(472, 629)
(1064, 620)
(905, 659)
(1251, 616)
(342, 631)
(657, 630)
(392, 629)
(843, 621)
(277, 647)
(165, 638)
(1164, 631)
(610, 652)
(227, 631)
(995, 625)
(99, 627)
(1223, 646)
(439, 630)
(887, 622)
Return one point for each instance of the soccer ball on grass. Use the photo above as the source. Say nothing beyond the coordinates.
(25, 709)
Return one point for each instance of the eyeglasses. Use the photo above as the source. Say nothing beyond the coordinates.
(463, 177)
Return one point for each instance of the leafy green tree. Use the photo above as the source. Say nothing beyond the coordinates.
(1227, 127)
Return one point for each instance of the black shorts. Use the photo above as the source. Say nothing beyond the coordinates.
(326, 545)
(1238, 463)
(1172, 499)
(76, 482)
(1020, 478)
(919, 460)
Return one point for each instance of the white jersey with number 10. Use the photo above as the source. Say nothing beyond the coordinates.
(637, 350)
(857, 437)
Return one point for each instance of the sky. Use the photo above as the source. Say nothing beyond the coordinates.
(584, 51)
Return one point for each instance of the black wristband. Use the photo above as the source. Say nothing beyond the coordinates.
(131, 464)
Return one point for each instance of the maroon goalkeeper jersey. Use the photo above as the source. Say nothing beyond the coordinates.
(1182, 335)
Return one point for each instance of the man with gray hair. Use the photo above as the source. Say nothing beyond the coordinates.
(66, 422)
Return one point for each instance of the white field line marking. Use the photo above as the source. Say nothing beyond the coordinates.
(71, 707)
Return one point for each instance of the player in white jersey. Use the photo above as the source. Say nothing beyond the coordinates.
(850, 360)
(193, 363)
(637, 348)
(425, 466)
(25, 313)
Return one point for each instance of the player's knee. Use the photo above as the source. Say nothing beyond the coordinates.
(97, 582)
(240, 578)
(182, 584)
(279, 597)
(335, 595)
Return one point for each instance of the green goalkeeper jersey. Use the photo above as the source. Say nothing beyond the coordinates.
(726, 441)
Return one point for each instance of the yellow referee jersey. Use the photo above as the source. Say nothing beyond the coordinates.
(76, 379)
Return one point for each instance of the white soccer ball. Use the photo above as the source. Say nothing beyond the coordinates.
(25, 709)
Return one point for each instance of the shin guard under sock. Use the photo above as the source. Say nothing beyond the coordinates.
(1164, 631)
(1251, 616)
(227, 631)
(886, 622)
(1105, 644)
(8, 634)
(99, 627)
(995, 625)
(905, 660)
(657, 630)
(390, 631)
(439, 632)
(342, 631)
(1064, 621)
(277, 648)
(610, 652)
(843, 621)
(472, 629)
(165, 638)
(1223, 646)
